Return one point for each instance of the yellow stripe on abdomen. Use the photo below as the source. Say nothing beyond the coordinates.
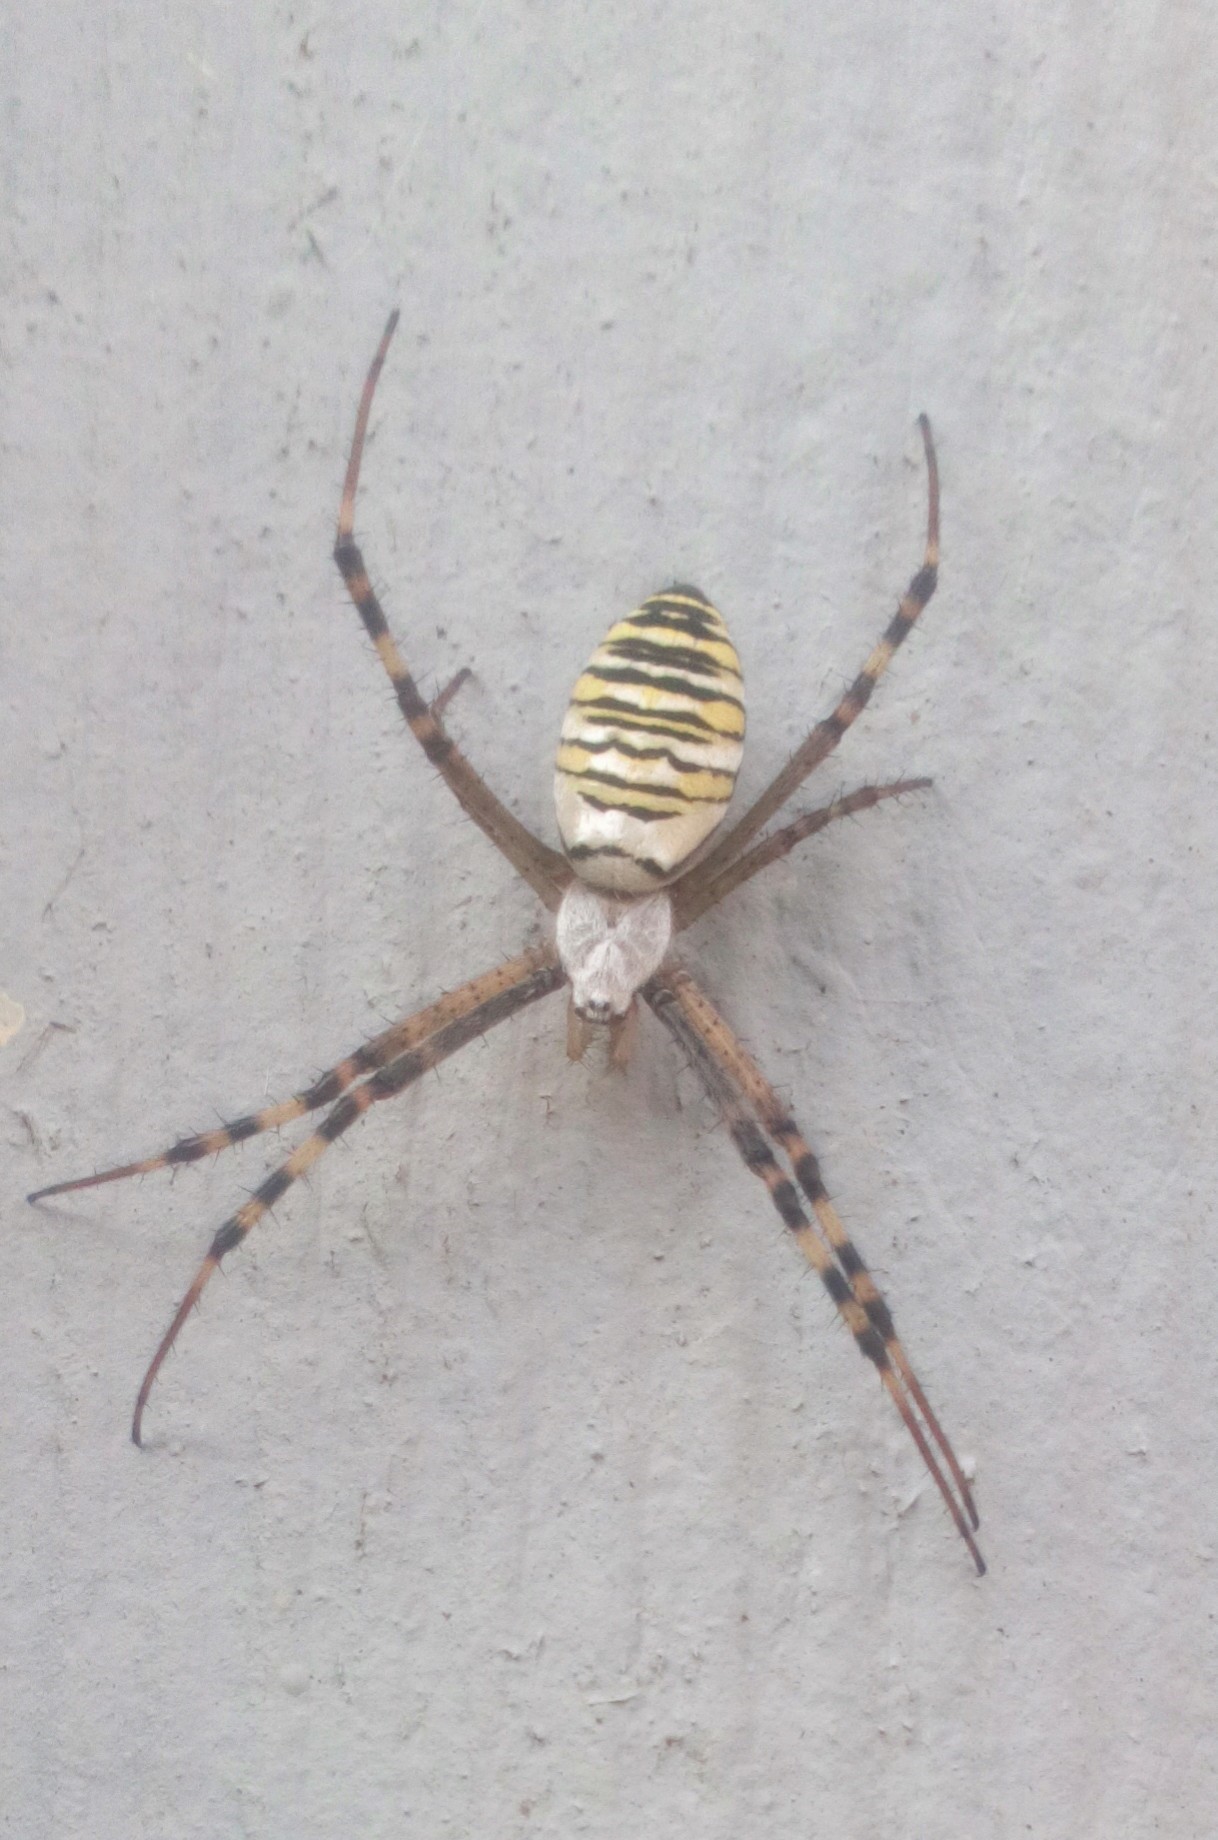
(651, 744)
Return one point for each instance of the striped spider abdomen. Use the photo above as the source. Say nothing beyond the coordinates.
(651, 744)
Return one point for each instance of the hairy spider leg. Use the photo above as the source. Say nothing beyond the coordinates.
(384, 1083)
(544, 869)
(827, 733)
(757, 1153)
(686, 908)
(776, 1119)
(328, 1086)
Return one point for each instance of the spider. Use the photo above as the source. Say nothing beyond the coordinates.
(646, 765)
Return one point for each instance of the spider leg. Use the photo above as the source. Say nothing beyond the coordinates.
(778, 1122)
(827, 733)
(752, 1111)
(383, 1083)
(690, 906)
(328, 1086)
(440, 702)
(542, 868)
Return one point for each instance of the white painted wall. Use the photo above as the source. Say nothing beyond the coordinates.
(516, 1482)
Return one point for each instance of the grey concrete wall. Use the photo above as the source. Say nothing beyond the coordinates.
(515, 1480)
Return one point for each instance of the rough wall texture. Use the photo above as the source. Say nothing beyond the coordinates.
(516, 1482)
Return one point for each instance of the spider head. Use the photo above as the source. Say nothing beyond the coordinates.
(609, 947)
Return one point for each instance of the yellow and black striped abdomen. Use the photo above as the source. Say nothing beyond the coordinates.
(651, 744)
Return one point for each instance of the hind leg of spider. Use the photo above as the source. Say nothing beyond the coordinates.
(440, 702)
(827, 733)
(715, 1069)
(690, 906)
(544, 869)
(382, 1084)
(329, 1085)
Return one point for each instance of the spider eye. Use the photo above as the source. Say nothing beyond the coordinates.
(593, 1012)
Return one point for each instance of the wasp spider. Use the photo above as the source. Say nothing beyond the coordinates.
(646, 764)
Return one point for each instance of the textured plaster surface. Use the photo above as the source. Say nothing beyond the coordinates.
(515, 1481)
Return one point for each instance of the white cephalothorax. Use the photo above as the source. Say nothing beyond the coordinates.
(609, 948)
